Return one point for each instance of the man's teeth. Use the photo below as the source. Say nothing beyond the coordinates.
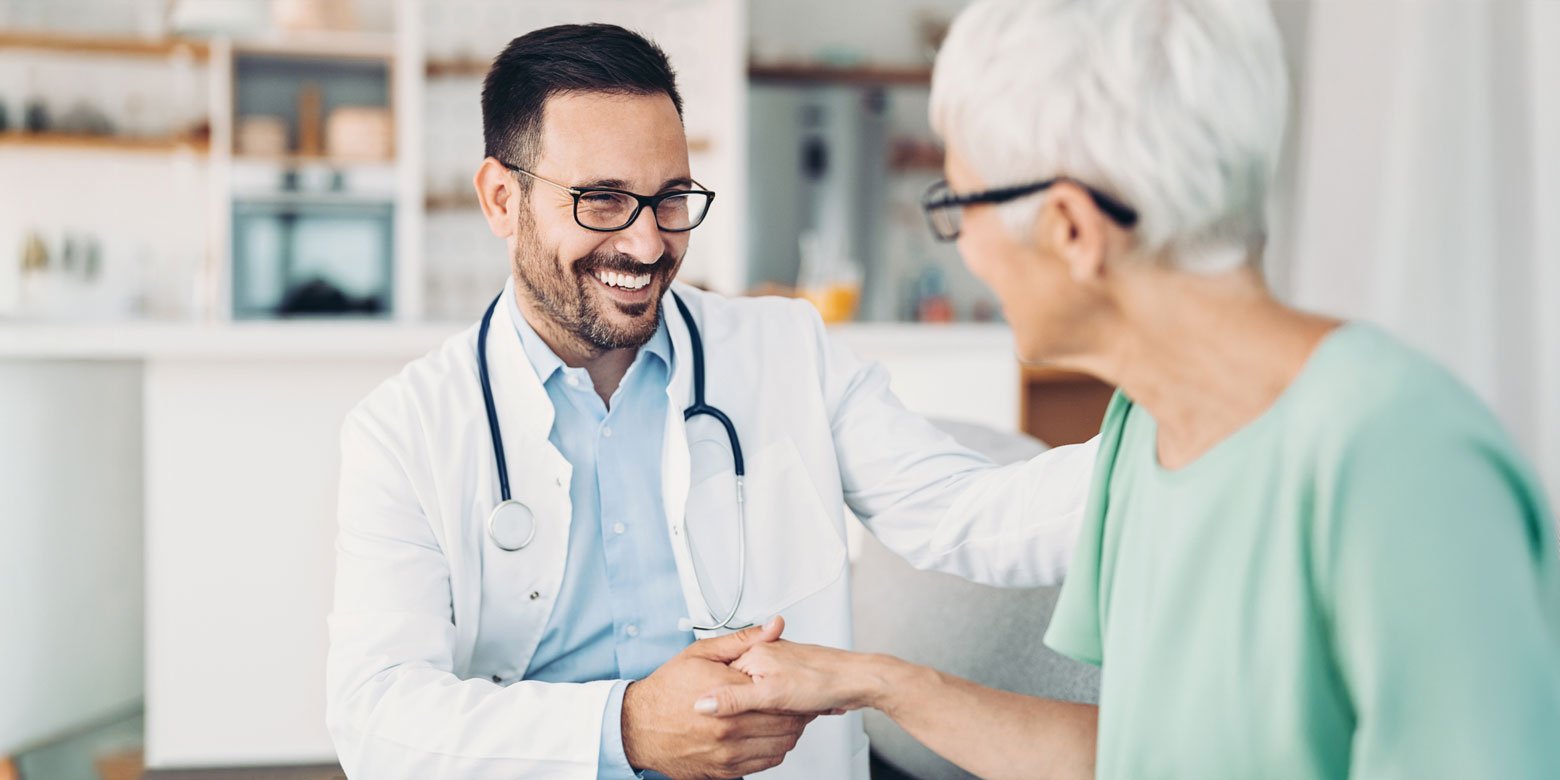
(625, 281)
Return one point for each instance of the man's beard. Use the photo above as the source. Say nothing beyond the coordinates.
(564, 298)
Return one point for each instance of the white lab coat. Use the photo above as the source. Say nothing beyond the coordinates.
(820, 430)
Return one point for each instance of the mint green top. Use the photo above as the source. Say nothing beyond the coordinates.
(1362, 582)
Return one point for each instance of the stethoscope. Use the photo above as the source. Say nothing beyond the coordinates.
(512, 525)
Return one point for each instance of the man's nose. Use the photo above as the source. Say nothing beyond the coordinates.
(642, 239)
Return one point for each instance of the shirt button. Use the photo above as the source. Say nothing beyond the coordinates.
(606, 431)
(632, 630)
(573, 381)
(535, 595)
(619, 528)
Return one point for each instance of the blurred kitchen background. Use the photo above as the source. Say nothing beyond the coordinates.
(223, 221)
(313, 158)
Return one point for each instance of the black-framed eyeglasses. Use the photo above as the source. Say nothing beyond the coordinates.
(945, 209)
(607, 209)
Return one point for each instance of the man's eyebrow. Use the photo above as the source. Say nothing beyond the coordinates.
(616, 184)
(619, 184)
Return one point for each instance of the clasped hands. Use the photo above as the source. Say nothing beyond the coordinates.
(737, 704)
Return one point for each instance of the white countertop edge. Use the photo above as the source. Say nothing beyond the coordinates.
(370, 340)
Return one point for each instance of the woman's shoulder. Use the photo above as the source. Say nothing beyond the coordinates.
(1409, 468)
(1368, 383)
(1383, 413)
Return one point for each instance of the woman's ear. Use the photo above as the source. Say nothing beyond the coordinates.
(1073, 228)
(498, 193)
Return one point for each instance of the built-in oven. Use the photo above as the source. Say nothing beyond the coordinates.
(299, 255)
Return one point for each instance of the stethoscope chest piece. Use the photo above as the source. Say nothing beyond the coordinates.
(511, 525)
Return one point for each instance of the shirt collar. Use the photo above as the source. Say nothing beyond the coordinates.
(660, 343)
(546, 362)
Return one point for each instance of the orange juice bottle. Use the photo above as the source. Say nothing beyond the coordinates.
(831, 281)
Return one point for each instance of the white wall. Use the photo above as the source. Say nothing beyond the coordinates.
(1545, 188)
(1427, 193)
(146, 210)
(71, 566)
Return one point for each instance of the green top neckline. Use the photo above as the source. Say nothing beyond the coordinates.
(1218, 453)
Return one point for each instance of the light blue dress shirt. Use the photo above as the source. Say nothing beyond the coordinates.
(617, 615)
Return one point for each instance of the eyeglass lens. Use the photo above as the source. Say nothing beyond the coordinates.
(615, 210)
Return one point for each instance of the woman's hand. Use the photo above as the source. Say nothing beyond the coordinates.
(990, 733)
(797, 679)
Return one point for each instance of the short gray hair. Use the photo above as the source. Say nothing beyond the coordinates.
(1176, 107)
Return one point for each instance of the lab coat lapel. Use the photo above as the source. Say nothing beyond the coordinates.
(539, 477)
(679, 393)
(525, 412)
(675, 467)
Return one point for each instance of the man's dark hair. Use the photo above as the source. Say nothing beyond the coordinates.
(566, 58)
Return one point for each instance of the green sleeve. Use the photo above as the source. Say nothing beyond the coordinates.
(1442, 582)
(1076, 628)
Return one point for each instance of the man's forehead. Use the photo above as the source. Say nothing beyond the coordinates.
(614, 140)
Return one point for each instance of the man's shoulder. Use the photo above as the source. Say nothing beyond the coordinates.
(770, 325)
(761, 310)
(424, 383)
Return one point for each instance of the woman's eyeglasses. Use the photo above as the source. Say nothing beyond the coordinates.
(945, 209)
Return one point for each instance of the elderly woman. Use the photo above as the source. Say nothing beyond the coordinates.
(1309, 552)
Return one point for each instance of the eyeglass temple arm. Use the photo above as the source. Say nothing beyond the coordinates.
(1115, 209)
(543, 179)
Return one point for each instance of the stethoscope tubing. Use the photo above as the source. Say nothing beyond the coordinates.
(697, 408)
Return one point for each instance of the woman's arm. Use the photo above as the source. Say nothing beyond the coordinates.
(1444, 590)
(991, 733)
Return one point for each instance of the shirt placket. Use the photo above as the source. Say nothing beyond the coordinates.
(612, 477)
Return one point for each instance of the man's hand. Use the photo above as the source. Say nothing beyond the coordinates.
(661, 730)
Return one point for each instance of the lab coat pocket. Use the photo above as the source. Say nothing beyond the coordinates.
(794, 547)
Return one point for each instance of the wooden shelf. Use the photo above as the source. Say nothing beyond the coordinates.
(451, 203)
(106, 45)
(300, 160)
(320, 45)
(914, 156)
(108, 143)
(457, 68)
(861, 75)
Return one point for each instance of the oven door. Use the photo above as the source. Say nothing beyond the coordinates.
(304, 257)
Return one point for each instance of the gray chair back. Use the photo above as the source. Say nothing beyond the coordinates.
(990, 635)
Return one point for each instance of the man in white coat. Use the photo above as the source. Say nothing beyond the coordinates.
(568, 634)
